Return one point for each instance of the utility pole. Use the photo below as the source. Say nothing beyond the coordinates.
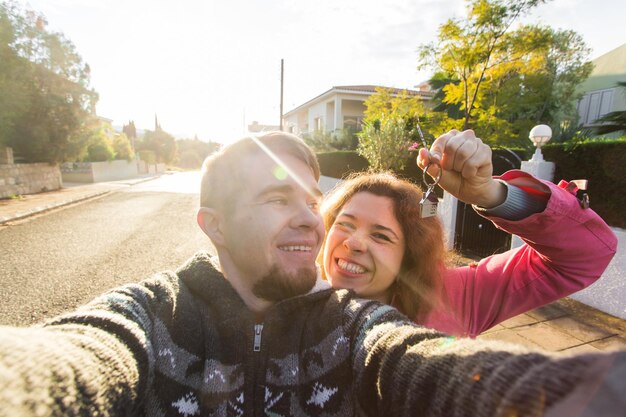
(282, 72)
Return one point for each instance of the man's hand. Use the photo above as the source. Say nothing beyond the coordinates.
(467, 168)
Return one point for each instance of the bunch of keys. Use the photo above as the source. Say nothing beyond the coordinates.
(428, 203)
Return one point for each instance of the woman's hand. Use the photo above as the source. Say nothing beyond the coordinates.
(467, 168)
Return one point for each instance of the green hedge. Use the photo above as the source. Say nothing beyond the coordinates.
(603, 164)
(338, 164)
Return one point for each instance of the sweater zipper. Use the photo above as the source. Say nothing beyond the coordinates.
(258, 329)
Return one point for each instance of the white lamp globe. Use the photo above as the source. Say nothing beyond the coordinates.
(540, 135)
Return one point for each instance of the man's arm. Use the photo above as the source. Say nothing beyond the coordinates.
(401, 369)
(94, 361)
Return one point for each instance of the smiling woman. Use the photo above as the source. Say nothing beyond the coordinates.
(378, 245)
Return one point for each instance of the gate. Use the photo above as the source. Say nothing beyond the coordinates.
(476, 236)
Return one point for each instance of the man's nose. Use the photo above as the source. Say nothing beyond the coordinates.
(306, 217)
(355, 243)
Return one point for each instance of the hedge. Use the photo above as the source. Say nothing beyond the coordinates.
(338, 164)
(602, 163)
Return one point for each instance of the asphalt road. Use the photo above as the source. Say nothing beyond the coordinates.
(57, 261)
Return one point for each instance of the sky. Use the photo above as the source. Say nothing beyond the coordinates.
(209, 68)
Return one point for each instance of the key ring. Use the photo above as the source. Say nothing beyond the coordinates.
(425, 179)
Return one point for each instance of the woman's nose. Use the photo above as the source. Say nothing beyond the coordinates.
(354, 243)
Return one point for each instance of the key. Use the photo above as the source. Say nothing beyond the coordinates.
(428, 204)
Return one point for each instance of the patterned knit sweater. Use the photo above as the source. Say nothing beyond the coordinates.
(184, 344)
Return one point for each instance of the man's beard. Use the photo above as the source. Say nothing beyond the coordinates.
(278, 285)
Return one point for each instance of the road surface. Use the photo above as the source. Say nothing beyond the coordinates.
(54, 262)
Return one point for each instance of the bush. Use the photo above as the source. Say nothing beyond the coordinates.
(603, 164)
(100, 151)
(338, 164)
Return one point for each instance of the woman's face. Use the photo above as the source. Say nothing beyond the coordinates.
(364, 247)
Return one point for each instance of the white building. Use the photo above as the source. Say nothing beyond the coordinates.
(340, 107)
(601, 95)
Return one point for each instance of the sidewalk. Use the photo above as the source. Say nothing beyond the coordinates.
(565, 325)
(32, 204)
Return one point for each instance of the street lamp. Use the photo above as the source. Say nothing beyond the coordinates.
(539, 135)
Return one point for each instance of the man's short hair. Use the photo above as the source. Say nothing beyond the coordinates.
(221, 172)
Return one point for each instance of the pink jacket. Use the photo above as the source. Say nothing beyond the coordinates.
(566, 249)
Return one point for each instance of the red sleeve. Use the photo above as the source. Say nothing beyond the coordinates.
(566, 249)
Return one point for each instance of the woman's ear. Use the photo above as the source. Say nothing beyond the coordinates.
(210, 221)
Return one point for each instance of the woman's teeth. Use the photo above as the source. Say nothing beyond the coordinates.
(350, 267)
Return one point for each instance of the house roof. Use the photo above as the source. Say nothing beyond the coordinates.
(365, 90)
(608, 70)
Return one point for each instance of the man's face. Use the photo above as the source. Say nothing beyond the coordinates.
(274, 233)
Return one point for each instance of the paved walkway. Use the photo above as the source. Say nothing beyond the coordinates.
(565, 325)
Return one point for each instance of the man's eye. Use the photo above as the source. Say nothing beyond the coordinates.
(314, 205)
(278, 201)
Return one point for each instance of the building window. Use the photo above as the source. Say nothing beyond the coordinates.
(354, 123)
(594, 105)
(317, 123)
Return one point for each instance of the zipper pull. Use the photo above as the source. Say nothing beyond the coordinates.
(258, 328)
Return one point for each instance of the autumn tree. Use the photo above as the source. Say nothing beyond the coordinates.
(504, 79)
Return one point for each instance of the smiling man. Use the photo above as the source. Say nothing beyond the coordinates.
(255, 332)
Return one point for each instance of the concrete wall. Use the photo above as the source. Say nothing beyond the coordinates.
(99, 171)
(608, 294)
(19, 179)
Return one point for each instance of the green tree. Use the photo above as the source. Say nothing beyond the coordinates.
(469, 49)
(193, 152)
(44, 88)
(122, 147)
(385, 142)
(504, 80)
(161, 143)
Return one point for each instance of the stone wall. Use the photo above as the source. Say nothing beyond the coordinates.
(18, 179)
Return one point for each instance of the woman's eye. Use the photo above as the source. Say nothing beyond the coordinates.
(381, 236)
(346, 225)
(315, 205)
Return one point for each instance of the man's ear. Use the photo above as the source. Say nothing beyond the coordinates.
(210, 221)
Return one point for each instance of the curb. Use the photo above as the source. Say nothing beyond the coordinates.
(48, 207)
(52, 206)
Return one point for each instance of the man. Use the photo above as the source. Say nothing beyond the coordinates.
(254, 332)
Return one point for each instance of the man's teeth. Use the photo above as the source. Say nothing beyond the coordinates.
(296, 248)
(350, 267)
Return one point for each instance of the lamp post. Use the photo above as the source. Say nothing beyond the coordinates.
(539, 135)
(537, 166)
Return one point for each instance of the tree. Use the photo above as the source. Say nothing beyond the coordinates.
(122, 147)
(468, 49)
(385, 143)
(44, 88)
(193, 152)
(161, 143)
(505, 80)
(129, 130)
(384, 105)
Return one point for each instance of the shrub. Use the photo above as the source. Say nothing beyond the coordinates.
(603, 164)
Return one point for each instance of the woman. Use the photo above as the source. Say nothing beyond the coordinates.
(378, 245)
